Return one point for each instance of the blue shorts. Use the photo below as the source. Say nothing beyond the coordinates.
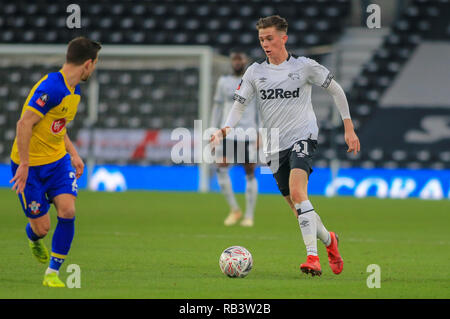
(44, 183)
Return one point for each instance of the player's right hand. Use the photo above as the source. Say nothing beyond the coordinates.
(20, 179)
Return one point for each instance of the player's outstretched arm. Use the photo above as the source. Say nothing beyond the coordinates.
(24, 130)
(77, 162)
(340, 100)
(244, 92)
(233, 118)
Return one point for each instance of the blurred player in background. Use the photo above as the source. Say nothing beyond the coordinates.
(233, 147)
(282, 84)
(44, 162)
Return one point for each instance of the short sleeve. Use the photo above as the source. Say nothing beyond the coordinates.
(45, 97)
(318, 74)
(219, 94)
(245, 90)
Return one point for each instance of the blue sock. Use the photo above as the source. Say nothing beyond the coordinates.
(30, 233)
(61, 241)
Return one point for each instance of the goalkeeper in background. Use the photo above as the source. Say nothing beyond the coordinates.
(240, 148)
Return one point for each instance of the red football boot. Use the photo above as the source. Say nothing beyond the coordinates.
(312, 266)
(335, 259)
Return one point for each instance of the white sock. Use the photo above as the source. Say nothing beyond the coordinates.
(322, 232)
(225, 187)
(251, 192)
(49, 271)
(308, 226)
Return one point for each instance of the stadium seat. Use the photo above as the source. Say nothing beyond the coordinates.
(444, 156)
(376, 154)
(421, 20)
(203, 11)
(300, 25)
(223, 25)
(423, 156)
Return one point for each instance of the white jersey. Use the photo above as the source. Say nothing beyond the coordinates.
(223, 99)
(283, 94)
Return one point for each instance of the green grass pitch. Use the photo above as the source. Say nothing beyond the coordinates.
(167, 245)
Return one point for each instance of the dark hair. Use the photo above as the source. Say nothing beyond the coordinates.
(237, 50)
(272, 21)
(82, 49)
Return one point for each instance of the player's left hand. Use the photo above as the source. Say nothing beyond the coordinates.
(218, 136)
(78, 164)
(352, 141)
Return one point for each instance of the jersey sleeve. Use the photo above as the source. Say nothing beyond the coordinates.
(219, 100)
(318, 74)
(245, 90)
(219, 94)
(45, 97)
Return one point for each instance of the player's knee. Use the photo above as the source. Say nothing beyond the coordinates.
(67, 212)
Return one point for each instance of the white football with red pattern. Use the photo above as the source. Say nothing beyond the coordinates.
(236, 261)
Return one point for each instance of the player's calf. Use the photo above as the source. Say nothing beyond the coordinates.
(61, 242)
(64, 231)
(38, 228)
(36, 231)
(298, 196)
(37, 247)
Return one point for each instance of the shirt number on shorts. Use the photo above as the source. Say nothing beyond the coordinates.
(303, 150)
(74, 183)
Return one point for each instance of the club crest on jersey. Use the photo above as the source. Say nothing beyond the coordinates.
(42, 100)
(294, 76)
(58, 125)
(34, 207)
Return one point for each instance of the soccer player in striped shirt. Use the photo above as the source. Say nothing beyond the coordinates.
(282, 85)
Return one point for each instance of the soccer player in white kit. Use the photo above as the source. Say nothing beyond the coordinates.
(241, 148)
(282, 85)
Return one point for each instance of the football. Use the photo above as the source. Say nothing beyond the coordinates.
(236, 262)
